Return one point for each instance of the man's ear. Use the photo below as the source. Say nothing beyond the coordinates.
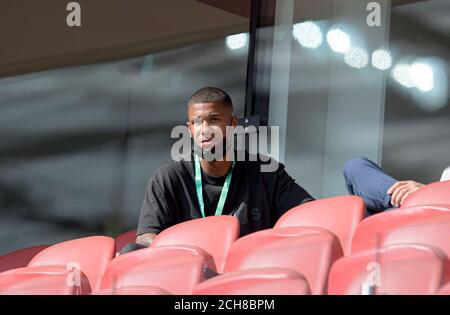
(188, 124)
(234, 121)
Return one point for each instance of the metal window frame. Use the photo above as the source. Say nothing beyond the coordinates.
(257, 92)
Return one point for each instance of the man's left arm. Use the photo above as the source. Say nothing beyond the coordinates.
(401, 190)
(287, 193)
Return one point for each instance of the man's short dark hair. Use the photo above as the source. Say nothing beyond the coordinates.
(210, 95)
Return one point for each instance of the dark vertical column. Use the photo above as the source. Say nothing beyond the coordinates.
(259, 60)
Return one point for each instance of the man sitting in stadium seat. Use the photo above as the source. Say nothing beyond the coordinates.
(231, 187)
(380, 191)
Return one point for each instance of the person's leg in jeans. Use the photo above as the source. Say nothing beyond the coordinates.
(366, 179)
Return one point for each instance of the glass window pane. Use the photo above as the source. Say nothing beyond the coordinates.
(80, 141)
(351, 89)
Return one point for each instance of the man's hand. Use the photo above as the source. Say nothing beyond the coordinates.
(145, 239)
(400, 190)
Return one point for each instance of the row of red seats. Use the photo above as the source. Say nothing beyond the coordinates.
(181, 268)
(286, 259)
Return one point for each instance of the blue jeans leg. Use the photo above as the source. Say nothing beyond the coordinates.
(366, 179)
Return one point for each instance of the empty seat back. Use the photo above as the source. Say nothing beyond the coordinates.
(90, 254)
(432, 231)
(253, 241)
(399, 269)
(176, 269)
(19, 258)
(310, 254)
(372, 231)
(214, 234)
(340, 215)
(44, 280)
(434, 193)
(260, 281)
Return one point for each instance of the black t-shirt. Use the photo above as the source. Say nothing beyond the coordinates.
(256, 198)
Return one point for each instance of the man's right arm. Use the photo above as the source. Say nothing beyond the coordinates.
(145, 239)
(155, 215)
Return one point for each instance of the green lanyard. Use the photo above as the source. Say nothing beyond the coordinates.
(199, 188)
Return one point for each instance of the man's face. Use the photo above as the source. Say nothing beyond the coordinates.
(207, 123)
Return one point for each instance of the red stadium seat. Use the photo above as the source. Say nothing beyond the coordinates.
(123, 239)
(90, 254)
(44, 280)
(309, 251)
(250, 242)
(445, 290)
(400, 269)
(19, 258)
(137, 290)
(372, 231)
(431, 194)
(260, 281)
(176, 269)
(432, 231)
(340, 215)
(214, 234)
